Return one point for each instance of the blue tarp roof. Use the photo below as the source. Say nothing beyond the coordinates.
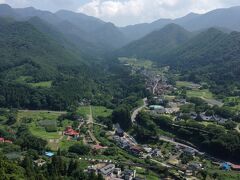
(225, 166)
(49, 154)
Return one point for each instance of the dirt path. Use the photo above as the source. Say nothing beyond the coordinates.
(136, 111)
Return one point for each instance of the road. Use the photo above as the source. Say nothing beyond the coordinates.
(166, 139)
(154, 88)
(136, 111)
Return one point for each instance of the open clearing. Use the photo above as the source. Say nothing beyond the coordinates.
(45, 84)
(136, 62)
(204, 94)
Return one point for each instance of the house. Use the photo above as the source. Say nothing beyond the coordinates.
(119, 132)
(69, 131)
(235, 167)
(225, 166)
(156, 107)
(40, 162)
(204, 117)
(8, 141)
(156, 153)
(195, 166)
(189, 151)
(1, 140)
(107, 170)
(92, 169)
(129, 174)
(219, 119)
(117, 171)
(98, 147)
(136, 150)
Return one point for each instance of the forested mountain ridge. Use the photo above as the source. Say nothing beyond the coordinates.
(88, 33)
(157, 43)
(219, 18)
(43, 71)
(22, 44)
(211, 55)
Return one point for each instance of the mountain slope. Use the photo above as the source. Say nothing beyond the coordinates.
(211, 56)
(220, 18)
(99, 31)
(225, 18)
(21, 44)
(157, 43)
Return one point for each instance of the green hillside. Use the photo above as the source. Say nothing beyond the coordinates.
(157, 43)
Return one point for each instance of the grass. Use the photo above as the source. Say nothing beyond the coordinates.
(40, 116)
(183, 84)
(204, 94)
(41, 132)
(44, 84)
(101, 111)
(84, 111)
(26, 79)
(137, 62)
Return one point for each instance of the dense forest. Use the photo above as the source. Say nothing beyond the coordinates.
(30, 57)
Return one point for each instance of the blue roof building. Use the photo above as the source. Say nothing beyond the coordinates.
(49, 154)
(225, 166)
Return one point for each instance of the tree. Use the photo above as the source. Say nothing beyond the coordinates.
(122, 116)
(80, 149)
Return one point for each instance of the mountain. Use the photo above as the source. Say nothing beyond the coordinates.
(211, 56)
(101, 32)
(220, 18)
(225, 18)
(88, 34)
(157, 43)
(134, 32)
(7, 11)
(28, 52)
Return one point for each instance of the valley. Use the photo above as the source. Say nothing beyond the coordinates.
(81, 98)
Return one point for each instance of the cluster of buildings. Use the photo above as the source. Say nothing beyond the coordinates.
(111, 172)
(203, 117)
(127, 144)
(3, 140)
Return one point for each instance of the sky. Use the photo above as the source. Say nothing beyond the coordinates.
(126, 12)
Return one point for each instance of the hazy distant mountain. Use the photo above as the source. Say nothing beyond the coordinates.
(157, 43)
(85, 32)
(7, 11)
(222, 18)
(225, 18)
(107, 34)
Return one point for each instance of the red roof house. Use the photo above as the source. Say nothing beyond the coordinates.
(235, 167)
(1, 140)
(8, 141)
(71, 132)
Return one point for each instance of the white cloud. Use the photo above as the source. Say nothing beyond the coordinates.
(124, 12)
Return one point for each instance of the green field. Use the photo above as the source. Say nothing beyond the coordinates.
(84, 111)
(44, 84)
(39, 115)
(27, 80)
(101, 111)
(235, 100)
(204, 94)
(136, 62)
(183, 84)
